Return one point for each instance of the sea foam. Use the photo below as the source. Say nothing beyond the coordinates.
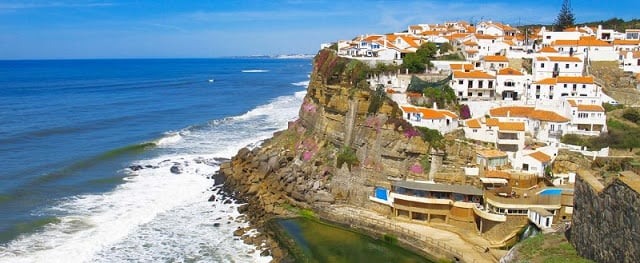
(158, 214)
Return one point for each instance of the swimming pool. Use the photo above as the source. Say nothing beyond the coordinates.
(550, 191)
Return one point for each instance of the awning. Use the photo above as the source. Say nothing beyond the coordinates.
(493, 181)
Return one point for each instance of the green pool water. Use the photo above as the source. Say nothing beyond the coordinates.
(314, 241)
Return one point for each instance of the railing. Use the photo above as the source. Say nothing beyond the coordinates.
(481, 212)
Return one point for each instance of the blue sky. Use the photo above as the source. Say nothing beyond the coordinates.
(181, 28)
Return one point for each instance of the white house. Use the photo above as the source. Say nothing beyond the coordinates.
(547, 126)
(473, 85)
(511, 84)
(588, 47)
(563, 86)
(626, 45)
(630, 61)
(553, 66)
(494, 63)
(442, 120)
(510, 136)
(586, 119)
(632, 34)
(548, 37)
(490, 45)
(495, 29)
(534, 162)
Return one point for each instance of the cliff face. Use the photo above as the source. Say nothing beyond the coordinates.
(605, 218)
(337, 125)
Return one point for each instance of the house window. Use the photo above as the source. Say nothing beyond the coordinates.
(491, 84)
(564, 94)
(525, 167)
(460, 82)
(470, 84)
(565, 85)
(538, 96)
(550, 97)
(509, 84)
(469, 94)
(576, 65)
(479, 94)
(542, 65)
(475, 130)
(584, 86)
(480, 83)
(459, 93)
(566, 66)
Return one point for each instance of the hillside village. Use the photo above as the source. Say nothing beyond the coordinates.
(521, 93)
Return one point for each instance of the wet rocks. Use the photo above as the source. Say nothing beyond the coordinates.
(176, 169)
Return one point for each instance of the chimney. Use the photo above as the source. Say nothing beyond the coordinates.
(435, 105)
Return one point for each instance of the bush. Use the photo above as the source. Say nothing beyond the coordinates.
(348, 156)
(465, 113)
(377, 98)
(609, 107)
(631, 114)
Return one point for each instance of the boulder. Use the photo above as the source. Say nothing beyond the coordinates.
(323, 196)
(176, 169)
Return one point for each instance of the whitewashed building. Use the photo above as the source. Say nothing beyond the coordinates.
(511, 84)
(553, 66)
(561, 87)
(473, 85)
(442, 120)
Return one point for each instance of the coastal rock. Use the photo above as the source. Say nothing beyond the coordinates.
(323, 196)
(136, 167)
(176, 169)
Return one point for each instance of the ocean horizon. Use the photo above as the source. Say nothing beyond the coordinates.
(112, 159)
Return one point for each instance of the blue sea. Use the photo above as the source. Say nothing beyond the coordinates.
(111, 160)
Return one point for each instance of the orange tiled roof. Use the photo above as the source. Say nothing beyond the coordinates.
(572, 103)
(492, 122)
(548, 49)
(478, 36)
(626, 42)
(592, 41)
(510, 71)
(564, 42)
(491, 153)
(473, 123)
(471, 51)
(511, 126)
(581, 80)
(461, 66)
(472, 75)
(430, 113)
(514, 111)
(496, 58)
(550, 116)
(540, 156)
(564, 59)
(590, 107)
(547, 81)
(470, 43)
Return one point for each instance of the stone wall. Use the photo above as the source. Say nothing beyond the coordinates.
(605, 225)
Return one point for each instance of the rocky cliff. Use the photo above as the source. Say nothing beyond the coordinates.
(348, 139)
(605, 218)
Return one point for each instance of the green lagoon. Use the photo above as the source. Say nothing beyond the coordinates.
(313, 241)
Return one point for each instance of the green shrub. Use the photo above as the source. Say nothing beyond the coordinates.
(348, 156)
(377, 98)
(631, 114)
(609, 107)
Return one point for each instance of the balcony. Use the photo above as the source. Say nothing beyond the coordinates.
(555, 134)
(481, 212)
(421, 199)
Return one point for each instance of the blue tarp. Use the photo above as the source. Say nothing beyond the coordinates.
(381, 193)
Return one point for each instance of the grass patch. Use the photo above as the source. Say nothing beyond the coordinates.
(548, 248)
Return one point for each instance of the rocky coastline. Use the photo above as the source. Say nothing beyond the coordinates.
(347, 140)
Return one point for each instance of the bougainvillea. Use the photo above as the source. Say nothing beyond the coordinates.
(308, 147)
(410, 133)
(373, 122)
(416, 168)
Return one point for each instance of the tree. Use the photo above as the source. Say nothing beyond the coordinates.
(565, 17)
(413, 63)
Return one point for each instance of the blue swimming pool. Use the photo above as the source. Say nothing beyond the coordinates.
(550, 191)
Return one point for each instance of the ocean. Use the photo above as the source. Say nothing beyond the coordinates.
(112, 160)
